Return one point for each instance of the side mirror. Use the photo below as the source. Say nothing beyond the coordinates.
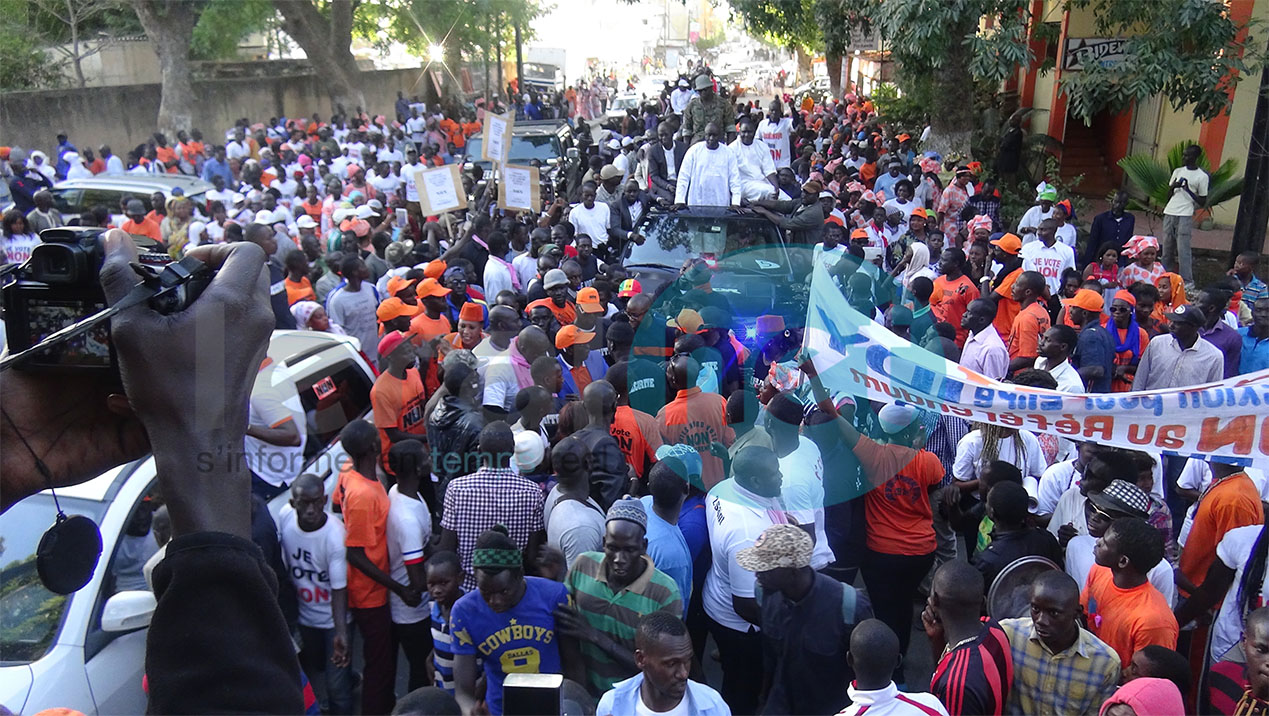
(553, 161)
(572, 153)
(128, 611)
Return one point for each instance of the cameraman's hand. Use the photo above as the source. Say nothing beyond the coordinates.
(189, 376)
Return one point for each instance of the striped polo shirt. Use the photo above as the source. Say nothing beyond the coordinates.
(975, 676)
(616, 614)
(442, 649)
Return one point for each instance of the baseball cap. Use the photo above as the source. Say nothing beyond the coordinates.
(609, 171)
(571, 335)
(687, 455)
(264, 216)
(471, 311)
(779, 546)
(1186, 313)
(306, 222)
(588, 300)
(921, 212)
(627, 142)
(1087, 299)
(1047, 194)
(553, 278)
(390, 341)
(835, 220)
(612, 144)
(431, 287)
(683, 82)
(629, 287)
(395, 308)
(859, 234)
(364, 212)
(715, 317)
(897, 416)
(396, 284)
(1122, 496)
(375, 204)
(688, 321)
(1009, 243)
(434, 269)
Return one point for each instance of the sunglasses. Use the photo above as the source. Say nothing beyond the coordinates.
(1120, 309)
(1099, 511)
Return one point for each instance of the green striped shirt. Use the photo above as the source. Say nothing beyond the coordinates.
(616, 615)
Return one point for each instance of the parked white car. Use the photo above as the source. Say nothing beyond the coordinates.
(86, 651)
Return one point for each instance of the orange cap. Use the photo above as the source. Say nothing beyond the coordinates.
(431, 287)
(434, 269)
(571, 335)
(395, 308)
(1087, 299)
(859, 234)
(472, 312)
(1009, 243)
(588, 300)
(397, 284)
(688, 321)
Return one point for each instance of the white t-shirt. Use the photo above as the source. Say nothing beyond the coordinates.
(273, 403)
(1050, 261)
(316, 562)
(1181, 203)
(1057, 479)
(1234, 551)
(1079, 562)
(416, 126)
(592, 222)
(526, 268)
(776, 136)
(737, 517)
(573, 527)
(409, 530)
(828, 258)
(1069, 510)
(803, 494)
(970, 448)
(684, 708)
(1068, 379)
(388, 184)
(501, 384)
(408, 179)
(1066, 234)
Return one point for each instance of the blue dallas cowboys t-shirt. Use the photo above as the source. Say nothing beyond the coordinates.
(521, 640)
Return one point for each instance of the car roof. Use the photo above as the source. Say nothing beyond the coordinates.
(104, 486)
(712, 212)
(136, 182)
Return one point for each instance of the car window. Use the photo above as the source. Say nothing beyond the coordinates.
(126, 570)
(524, 148)
(30, 615)
(68, 200)
(738, 243)
(108, 198)
(332, 399)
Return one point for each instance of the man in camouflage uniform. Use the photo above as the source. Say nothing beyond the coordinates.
(704, 108)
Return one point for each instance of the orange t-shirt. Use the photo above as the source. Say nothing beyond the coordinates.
(365, 508)
(565, 315)
(953, 303)
(398, 403)
(1127, 619)
(299, 290)
(429, 328)
(453, 133)
(167, 155)
(314, 211)
(698, 419)
(638, 437)
(898, 510)
(867, 173)
(147, 227)
(1006, 308)
(1230, 502)
(1024, 337)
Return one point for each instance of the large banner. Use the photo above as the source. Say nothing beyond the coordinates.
(857, 356)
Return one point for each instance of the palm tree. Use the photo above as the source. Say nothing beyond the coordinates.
(1150, 179)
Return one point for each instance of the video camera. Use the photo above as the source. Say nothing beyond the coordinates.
(60, 285)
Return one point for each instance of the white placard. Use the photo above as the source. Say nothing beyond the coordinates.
(496, 137)
(520, 188)
(441, 190)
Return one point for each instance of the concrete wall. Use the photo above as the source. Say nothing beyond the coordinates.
(124, 116)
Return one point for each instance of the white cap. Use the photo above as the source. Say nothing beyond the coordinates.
(614, 144)
(894, 417)
(306, 222)
(364, 212)
(340, 214)
(237, 198)
(627, 142)
(264, 216)
(529, 451)
(279, 216)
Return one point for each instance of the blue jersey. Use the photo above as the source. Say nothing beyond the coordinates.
(442, 652)
(519, 640)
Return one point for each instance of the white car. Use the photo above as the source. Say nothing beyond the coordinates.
(86, 651)
(623, 102)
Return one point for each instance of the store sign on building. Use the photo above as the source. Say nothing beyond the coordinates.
(1084, 52)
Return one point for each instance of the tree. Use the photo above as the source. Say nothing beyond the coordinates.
(226, 23)
(325, 34)
(75, 21)
(170, 26)
(787, 23)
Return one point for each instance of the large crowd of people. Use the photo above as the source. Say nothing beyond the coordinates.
(564, 473)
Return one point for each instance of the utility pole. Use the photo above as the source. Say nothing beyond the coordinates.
(489, 34)
(519, 59)
(1253, 205)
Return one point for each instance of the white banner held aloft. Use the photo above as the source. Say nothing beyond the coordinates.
(520, 188)
(441, 190)
(857, 356)
(496, 137)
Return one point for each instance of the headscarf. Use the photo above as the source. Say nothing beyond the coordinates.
(1167, 304)
(303, 311)
(980, 221)
(1132, 335)
(920, 263)
(1148, 697)
(1138, 243)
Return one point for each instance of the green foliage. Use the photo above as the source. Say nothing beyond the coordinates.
(23, 65)
(1188, 50)
(899, 112)
(226, 23)
(1150, 178)
(706, 44)
(787, 23)
(470, 26)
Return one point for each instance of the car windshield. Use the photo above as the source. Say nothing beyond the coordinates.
(624, 103)
(739, 243)
(30, 615)
(524, 149)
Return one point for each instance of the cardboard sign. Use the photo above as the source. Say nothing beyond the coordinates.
(520, 188)
(496, 137)
(441, 190)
